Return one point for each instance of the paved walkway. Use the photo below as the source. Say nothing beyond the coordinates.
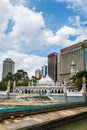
(31, 120)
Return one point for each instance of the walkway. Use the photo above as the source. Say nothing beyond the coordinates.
(33, 120)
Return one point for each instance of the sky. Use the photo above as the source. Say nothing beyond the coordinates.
(32, 29)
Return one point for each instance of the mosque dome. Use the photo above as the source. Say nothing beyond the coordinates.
(46, 81)
(41, 81)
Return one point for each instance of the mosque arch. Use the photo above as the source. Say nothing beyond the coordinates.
(45, 91)
(62, 91)
(25, 91)
(59, 91)
(55, 91)
(42, 91)
(28, 91)
(52, 91)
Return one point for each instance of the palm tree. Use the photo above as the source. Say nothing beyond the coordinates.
(34, 80)
(21, 77)
(8, 77)
(4, 82)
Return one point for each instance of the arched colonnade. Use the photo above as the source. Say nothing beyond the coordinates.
(38, 90)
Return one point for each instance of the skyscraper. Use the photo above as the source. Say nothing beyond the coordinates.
(44, 70)
(38, 73)
(52, 66)
(8, 66)
(76, 54)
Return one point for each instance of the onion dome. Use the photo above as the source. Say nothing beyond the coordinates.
(46, 81)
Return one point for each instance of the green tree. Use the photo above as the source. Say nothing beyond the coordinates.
(3, 86)
(8, 77)
(77, 79)
(21, 78)
(33, 80)
(4, 82)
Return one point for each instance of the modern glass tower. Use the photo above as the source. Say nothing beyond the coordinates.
(44, 70)
(8, 66)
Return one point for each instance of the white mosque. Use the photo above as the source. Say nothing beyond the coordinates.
(44, 86)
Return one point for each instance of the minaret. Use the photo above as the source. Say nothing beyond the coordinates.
(65, 91)
(84, 85)
(8, 89)
(65, 88)
(29, 84)
(8, 86)
(14, 86)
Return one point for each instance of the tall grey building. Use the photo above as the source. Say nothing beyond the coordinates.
(38, 73)
(52, 66)
(8, 66)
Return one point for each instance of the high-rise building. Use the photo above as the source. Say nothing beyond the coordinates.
(76, 54)
(52, 66)
(8, 66)
(44, 70)
(38, 73)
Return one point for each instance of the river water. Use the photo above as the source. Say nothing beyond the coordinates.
(78, 125)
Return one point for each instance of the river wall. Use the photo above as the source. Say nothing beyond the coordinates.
(48, 120)
(58, 122)
(70, 97)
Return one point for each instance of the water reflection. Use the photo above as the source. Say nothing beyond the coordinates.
(78, 125)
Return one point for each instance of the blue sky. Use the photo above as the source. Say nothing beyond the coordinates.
(32, 29)
(55, 13)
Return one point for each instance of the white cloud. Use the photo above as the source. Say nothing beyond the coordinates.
(62, 36)
(18, 2)
(29, 31)
(23, 61)
(6, 9)
(80, 5)
(28, 24)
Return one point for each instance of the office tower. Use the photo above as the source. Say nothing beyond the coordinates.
(58, 68)
(76, 54)
(38, 73)
(44, 70)
(8, 66)
(52, 66)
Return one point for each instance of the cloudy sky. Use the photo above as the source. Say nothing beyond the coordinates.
(32, 29)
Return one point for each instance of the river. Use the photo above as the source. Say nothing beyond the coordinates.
(78, 125)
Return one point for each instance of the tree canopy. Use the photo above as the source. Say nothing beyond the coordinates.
(21, 78)
(77, 79)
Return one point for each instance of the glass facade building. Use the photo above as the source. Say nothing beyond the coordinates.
(44, 70)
